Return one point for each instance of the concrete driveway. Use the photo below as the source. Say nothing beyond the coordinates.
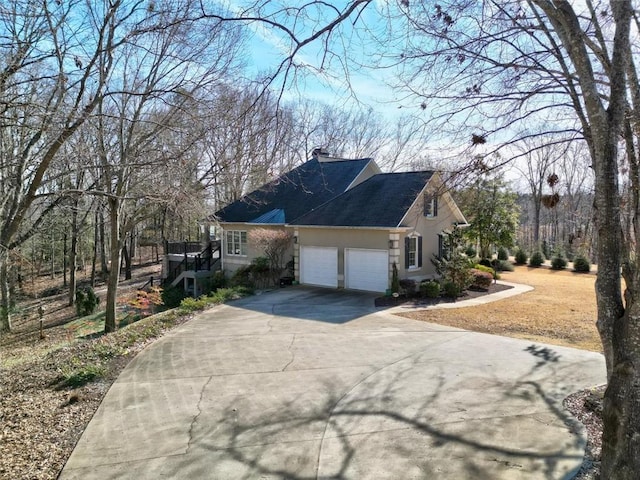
(305, 383)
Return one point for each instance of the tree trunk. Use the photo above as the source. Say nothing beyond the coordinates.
(126, 256)
(96, 239)
(5, 293)
(103, 245)
(536, 223)
(73, 255)
(132, 246)
(64, 259)
(621, 415)
(110, 323)
(53, 256)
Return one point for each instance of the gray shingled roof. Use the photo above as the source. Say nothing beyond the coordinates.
(295, 193)
(380, 201)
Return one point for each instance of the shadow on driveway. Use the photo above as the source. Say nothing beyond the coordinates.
(312, 303)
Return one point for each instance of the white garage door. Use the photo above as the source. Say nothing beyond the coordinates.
(319, 266)
(367, 269)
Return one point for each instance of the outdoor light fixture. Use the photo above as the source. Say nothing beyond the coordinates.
(390, 244)
(295, 239)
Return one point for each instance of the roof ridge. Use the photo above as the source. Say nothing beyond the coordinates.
(410, 171)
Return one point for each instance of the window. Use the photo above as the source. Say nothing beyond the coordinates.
(444, 247)
(413, 251)
(236, 242)
(430, 205)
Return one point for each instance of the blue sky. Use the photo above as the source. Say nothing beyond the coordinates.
(267, 50)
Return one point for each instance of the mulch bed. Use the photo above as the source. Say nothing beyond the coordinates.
(425, 302)
(586, 406)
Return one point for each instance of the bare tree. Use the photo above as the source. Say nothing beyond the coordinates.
(247, 141)
(155, 80)
(55, 59)
(538, 162)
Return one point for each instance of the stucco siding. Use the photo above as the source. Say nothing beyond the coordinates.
(231, 263)
(428, 228)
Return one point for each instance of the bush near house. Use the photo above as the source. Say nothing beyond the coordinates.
(451, 289)
(503, 254)
(455, 268)
(395, 282)
(430, 289)
(172, 296)
(241, 277)
(489, 270)
(537, 259)
(222, 295)
(260, 272)
(274, 245)
(481, 279)
(407, 286)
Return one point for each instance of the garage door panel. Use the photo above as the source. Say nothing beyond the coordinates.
(319, 266)
(367, 269)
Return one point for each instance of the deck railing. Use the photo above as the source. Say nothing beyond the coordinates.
(179, 248)
(203, 261)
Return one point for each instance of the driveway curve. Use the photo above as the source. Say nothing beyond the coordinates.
(305, 383)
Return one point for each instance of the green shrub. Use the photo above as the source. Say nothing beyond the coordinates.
(536, 259)
(470, 252)
(260, 265)
(172, 296)
(430, 289)
(455, 266)
(503, 254)
(214, 282)
(222, 295)
(241, 277)
(190, 304)
(395, 282)
(77, 374)
(520, 257)
(558, 262)
(260, 273)
(503, 266)
(86, 301)
(484, 268)
(482, 279)
(408, 286)
(451, 289)
(581, 264)
(486, 262)
(244, 291)
(225, 294)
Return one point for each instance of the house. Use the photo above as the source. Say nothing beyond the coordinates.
(350, 223)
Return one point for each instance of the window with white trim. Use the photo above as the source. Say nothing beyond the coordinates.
(236, 242)
(413, 252)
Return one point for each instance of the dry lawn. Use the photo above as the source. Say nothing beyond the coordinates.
(561, 310)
